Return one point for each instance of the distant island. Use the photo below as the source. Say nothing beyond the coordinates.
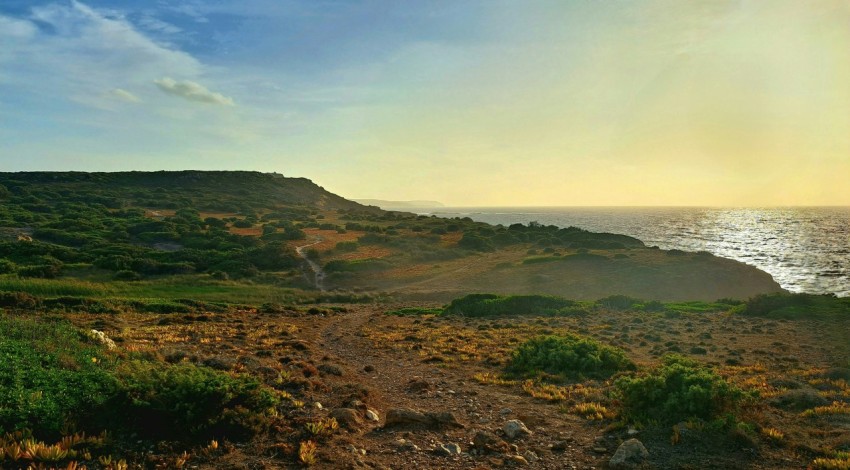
(386, 205)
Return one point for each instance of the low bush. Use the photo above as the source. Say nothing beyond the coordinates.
(344, 247)
(487, 305)
(53, 377)
(50, 376)
(185, 400)
(567, 357)
(790, 306)
(677, 390)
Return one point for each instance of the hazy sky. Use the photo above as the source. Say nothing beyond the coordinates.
(467, 102)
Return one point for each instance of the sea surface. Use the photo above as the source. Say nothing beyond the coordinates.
(805, 249)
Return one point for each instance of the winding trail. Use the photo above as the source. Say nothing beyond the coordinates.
(318, 272)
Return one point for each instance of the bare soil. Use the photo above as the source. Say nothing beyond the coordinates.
(357, 356)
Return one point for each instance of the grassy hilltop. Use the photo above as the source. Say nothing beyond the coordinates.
(222, 235)
(249, 320)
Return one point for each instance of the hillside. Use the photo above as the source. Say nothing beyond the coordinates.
(384, 204)
(246, 320)
(209, 227)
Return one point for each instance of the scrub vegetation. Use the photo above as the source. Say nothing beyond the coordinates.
(172, 320)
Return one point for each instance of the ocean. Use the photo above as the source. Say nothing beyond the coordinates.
(805, 249)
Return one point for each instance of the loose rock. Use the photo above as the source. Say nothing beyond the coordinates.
(403, 445)
(346, 417)
(515, 428)
(629, 455)
(447, 449)
(487, 441)
(372, 415)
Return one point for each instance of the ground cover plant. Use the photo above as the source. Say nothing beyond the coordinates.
(57, 381)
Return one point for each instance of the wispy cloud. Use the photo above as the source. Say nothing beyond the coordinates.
(73, 51)
(124, 95)
(192, 91)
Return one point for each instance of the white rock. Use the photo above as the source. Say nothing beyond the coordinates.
(372, 415)
(515, 428)
(101, 338)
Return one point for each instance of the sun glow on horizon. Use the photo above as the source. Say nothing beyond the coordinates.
(709, 103)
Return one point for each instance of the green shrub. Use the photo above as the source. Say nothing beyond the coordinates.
(127, 275)
(344, 247)
(677, 390)
(784, 305)
(45, 271)
(184, 400)
(242, 223)
(165, 307)
(474, 242)
(51, 376)
(568, 357)
(618, 302)
(486, 305)
(7, 267)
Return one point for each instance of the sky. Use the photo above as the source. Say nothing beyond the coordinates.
(470, 103)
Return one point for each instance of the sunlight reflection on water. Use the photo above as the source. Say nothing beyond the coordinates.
(805, 249)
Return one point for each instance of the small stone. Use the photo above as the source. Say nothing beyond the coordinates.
(487, 441)
(515, 428)
(403, 445)
(317, 405)
(505, 411)
(531, 456)
(453, 448)
(600, 450)
(516, 459)
(559, 446)
(369, 368)
(629, 455)
(632, 432)
(372, 415)
(346, 417)
(447, 449)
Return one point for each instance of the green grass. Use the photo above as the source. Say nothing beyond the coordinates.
(791, 306)
(55, 287)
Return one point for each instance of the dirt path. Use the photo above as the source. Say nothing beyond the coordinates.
(407, 380)
(318, 273)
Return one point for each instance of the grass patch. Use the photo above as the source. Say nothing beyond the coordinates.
(54, 287)
(791, 306)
